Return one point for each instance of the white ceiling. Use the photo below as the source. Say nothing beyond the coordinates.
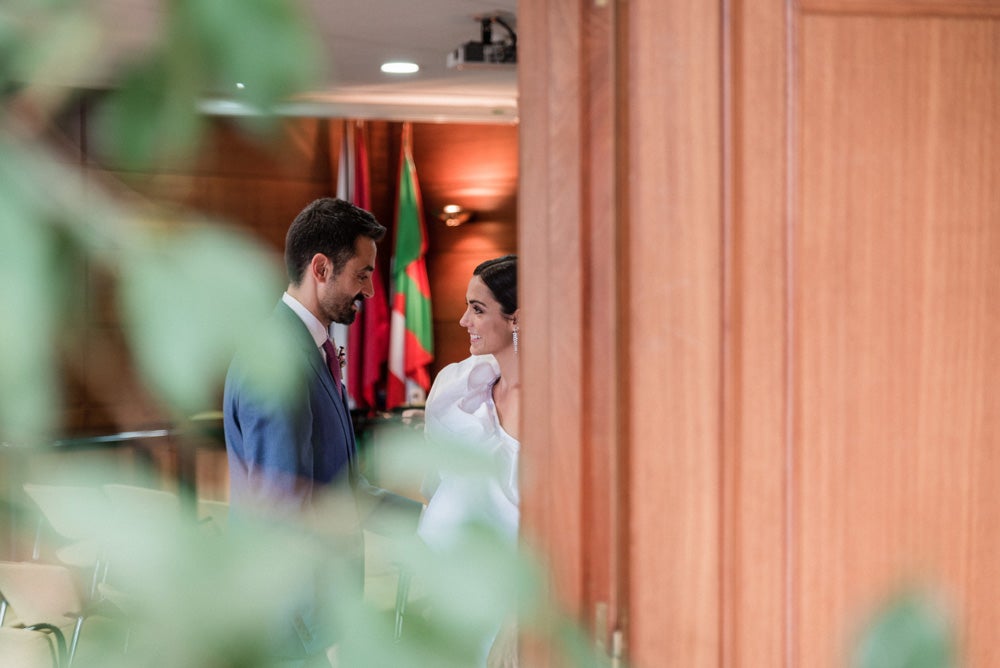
(359, 36)
(362, 34)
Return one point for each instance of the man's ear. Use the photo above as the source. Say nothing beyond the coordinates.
(319, 266)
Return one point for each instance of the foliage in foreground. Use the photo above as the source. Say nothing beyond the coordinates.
(188, 291)
(185, 287)
(176, 593)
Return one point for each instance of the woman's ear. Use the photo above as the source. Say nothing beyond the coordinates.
(514, 319)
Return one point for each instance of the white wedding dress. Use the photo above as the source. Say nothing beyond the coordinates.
(460, 411)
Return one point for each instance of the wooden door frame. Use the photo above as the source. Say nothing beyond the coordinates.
(599, 428)
(570, 213)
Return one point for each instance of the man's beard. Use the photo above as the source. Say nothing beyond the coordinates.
(346, 314)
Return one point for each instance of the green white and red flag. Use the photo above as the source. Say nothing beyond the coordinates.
(411, 339)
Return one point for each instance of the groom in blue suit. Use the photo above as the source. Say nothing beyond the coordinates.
(286, 453)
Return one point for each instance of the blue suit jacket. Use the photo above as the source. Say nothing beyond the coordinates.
(285, 452)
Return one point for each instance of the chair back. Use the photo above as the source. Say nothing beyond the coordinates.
(40, 593)
(145, 505)
(23, 648)
(76, 514)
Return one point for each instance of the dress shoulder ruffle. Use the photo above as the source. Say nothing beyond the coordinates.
(457, 405)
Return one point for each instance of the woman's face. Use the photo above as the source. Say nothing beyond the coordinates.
(489, 330)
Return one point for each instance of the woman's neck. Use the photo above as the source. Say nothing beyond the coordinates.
(507, 361)
(507, 392)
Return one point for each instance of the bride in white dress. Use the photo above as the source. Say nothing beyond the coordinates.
(476, 403)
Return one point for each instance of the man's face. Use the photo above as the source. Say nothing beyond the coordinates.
(338, 295)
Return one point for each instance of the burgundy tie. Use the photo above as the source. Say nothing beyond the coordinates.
(333, 362)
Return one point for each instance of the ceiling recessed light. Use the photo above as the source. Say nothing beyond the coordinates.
(400, 68)
(240, 86)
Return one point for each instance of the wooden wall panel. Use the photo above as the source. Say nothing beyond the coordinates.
(476, 167)
(674, 349)
(755, 554)
(625, 252)
(895, 304)
(605, 221)
(553, 151)
(941, 8)
(809, 293)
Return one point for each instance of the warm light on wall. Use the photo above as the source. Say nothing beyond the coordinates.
(453, 215)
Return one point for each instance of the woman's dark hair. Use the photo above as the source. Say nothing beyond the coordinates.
(500, 276)
(331, 227)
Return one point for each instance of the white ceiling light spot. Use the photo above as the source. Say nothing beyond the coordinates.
(400, 68)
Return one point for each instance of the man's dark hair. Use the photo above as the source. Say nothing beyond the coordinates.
(331, 227)
(500, 276)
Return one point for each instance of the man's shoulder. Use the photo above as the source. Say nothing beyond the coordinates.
(272, 355)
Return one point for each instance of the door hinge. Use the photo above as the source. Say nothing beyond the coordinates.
(617, 649)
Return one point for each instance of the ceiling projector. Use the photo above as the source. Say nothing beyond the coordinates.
(486, 53)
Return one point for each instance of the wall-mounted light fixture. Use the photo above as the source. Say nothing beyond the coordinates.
(453, 215)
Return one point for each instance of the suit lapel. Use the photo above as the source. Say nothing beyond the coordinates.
(318, 366)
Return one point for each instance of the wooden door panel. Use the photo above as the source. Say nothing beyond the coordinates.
(895, 306)
(673, 343)
(804, 276)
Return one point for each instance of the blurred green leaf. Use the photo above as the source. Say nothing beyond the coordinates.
(150, 116)
(11, 42)
(264, 44)
(29, 283)
(59, 48)
(411, 453)
(208, 47)
(45, 44)
(189, 598)
(911, 631)
(193, 598)
(189, 297)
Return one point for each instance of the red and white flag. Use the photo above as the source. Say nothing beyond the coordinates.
(367, 340)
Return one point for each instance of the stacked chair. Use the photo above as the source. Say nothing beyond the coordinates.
(49, 603)
(29, 648)
(213, 516)
(77, 516)
(56, 592)
(49, 607)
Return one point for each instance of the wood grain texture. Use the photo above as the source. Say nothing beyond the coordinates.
(551, 289)
(551, 281)
(674, 346)
(756, 482)
(474, 166)
(912, 8)
(896, 325)
(604, 223)
(808, 342)
(573, 279)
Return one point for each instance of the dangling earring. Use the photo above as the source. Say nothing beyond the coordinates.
(515, 339)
